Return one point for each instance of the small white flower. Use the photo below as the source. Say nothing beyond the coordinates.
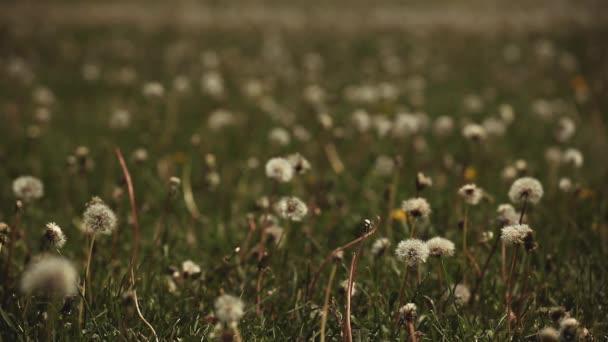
(229, 309)
(440, 246)
(361, 120)
(412, 252)
(565, 130)
(527, 188)
(417, 207)
(279, 169)
(516, 234)
(471, 193)
(291, 208)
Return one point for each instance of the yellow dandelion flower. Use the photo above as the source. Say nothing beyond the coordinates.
(469, 173)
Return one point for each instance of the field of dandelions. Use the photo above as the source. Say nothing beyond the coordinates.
(267, 185)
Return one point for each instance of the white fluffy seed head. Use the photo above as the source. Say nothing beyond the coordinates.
(408, 312)
(568, 328)
(279, 169)
(474, 132)
(548, 334)
(572, 157)
(417, 207)
(462, 294)
(344, 287)
(291, 208)
(526, 188)
(471, 194)
(51, 275)
(507, 214)
(299, 163)
(54, 235)
(516, 234)
(98, 218)
(28, 188)
(380, 246)
(229, 309)
(440, 246)
(190, 268)
(412, 252)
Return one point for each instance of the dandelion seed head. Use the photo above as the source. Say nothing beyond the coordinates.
(440, 246)
(573, 157)
(28, 188)
(299, 163)
(417, 207)
(344, 287)
(279, 169)
(98, 218)
(50, 275)
(553, 155)
(548, 334)
(568, 329)
(54, 235)
(190, 268)
(423, 181)
(443, 126)
(516, 234)
(526, 188)
(229, 309)
(408, 312)
(412, 252)
(462, 294)
(291, 208)
(474, 132)
(471, 194)
(380, 246)
(279, 136)
(383, 166)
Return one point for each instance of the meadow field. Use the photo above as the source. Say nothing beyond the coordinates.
(272, 171)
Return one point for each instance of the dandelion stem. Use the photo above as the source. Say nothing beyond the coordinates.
(127, 176)
(509, 286)
(327, 260)
(412, 331)
(332, 274)
(348, 334)
(400, 301)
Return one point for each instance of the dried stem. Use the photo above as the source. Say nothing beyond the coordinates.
(509, 286)
(258, 288)
(332, 274)
(127, 176)
(327, 260)
(243, 250)
(348, 333)
(412, 330)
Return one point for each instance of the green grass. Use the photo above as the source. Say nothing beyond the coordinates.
(568, 268)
